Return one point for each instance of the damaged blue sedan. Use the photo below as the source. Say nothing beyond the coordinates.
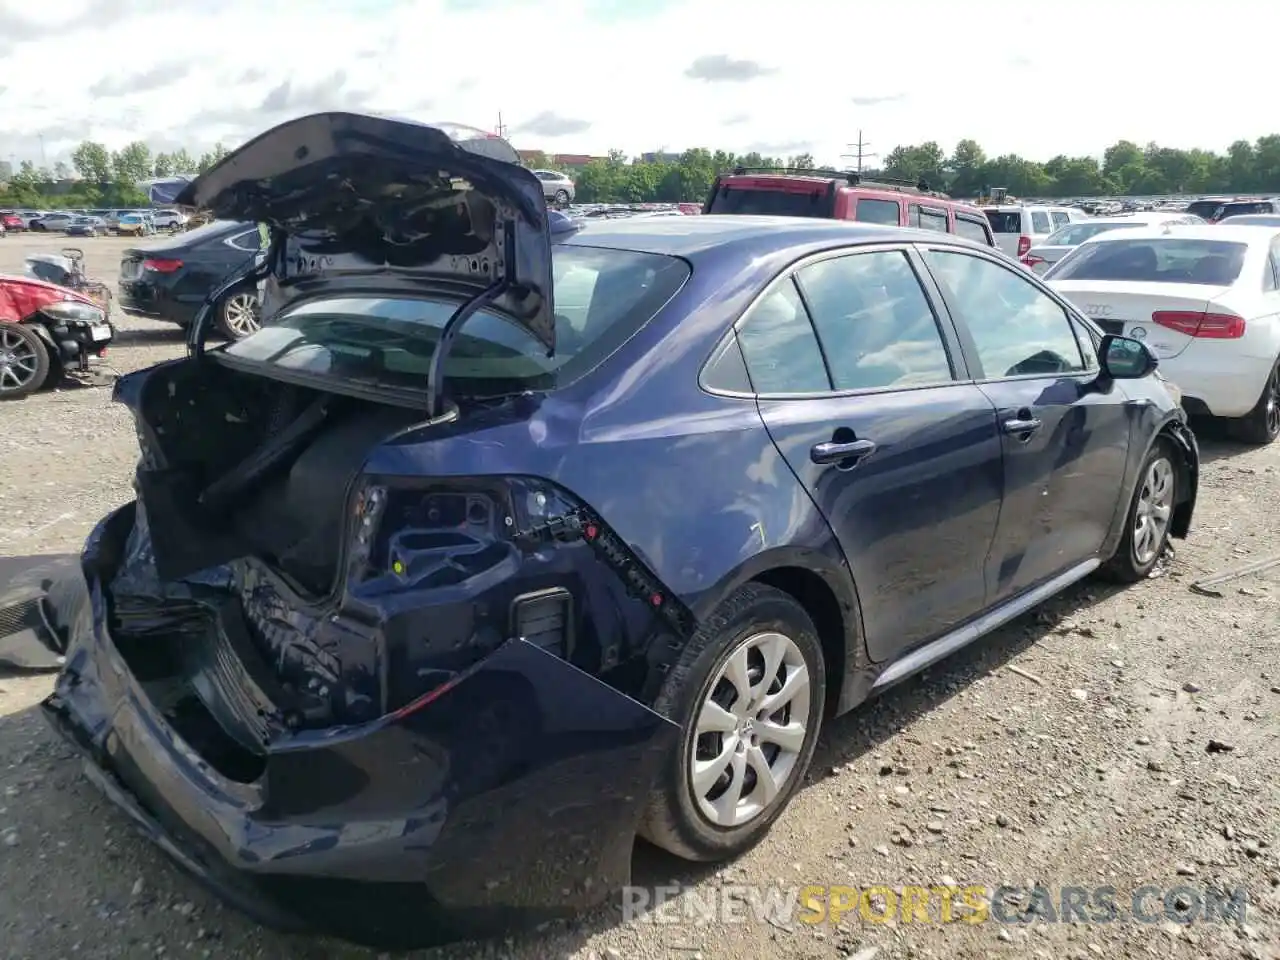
(499, 546)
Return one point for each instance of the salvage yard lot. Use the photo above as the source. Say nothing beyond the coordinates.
(1069, 750)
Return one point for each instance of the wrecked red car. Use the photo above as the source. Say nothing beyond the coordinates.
(46, 331)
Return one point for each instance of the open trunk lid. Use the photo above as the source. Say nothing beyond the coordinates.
(367, 203)
(1128, 308)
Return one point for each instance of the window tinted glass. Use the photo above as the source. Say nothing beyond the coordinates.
(1060, 219)
(1204, 208)
(727, 370)
(1155, 260)
(926, 219)
(779, 345)
(1018, 329)
(877, 211)
(602, 297)
(971, 230)
(1237, 209)
(1040, 222)
(1004, 221)
(779, 203)
(1078, 233)
(875, 323)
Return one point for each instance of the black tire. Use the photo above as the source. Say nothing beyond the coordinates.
(22, 342)
(672, 820)
(1261, 425)
(226, 321)
(1125, 566)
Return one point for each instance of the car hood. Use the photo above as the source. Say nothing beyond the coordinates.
(362, 203)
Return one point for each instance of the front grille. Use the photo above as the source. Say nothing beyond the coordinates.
(24, 615)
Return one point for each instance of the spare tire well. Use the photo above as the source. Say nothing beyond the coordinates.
(818, 600)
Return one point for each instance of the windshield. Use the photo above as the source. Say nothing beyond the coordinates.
(1078, 233)
(1004, 221)
(733, 198)
(1155, 260)
(1252, 220)
(602, 297)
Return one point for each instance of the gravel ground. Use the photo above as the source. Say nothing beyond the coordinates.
(1094, 769)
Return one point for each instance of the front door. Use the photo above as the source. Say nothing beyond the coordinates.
(1065, 440)
(860, 388)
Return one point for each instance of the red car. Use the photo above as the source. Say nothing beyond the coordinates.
(11, 221)
(46, 330)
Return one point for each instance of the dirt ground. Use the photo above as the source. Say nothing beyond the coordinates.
(1071, 749)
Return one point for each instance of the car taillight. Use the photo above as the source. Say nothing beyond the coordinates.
(1211, 326)
(158, 265)
(1024, 244)
(1031, 262)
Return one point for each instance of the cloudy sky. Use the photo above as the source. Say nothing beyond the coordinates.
(583, 76)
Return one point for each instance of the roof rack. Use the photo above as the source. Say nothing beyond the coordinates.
(852, 177)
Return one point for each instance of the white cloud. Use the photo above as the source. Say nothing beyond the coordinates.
(584, 76)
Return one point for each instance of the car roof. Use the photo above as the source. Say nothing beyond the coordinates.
(1192, 231)
(691, 237)
(1140, 217)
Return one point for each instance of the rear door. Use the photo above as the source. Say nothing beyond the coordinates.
(1065, 442)
(974, 228)
(864, 391)
(1008, 228)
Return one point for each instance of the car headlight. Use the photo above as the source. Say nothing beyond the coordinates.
(73, 311)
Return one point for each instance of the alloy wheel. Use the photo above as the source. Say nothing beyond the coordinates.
(241, 314)
(750, 730)
(18, 361)
(1155, 506)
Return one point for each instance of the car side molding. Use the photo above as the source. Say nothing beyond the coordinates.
(949, 643)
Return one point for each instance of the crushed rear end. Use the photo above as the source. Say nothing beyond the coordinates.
(345, 692)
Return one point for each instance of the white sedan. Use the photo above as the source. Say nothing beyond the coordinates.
(1204, 299)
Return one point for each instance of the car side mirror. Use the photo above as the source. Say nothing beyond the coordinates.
(1123, 358)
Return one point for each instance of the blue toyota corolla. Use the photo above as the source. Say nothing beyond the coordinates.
(500, 545)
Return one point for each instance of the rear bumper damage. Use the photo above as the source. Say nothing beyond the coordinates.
(508, 796)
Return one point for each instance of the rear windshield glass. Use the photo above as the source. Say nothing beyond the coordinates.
(1002, 222)
(1155, 260)
(1204, 208)
(776, 203)
(602, 297)
(1255, 220)
(1078, 233)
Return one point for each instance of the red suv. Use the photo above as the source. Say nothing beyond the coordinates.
(788, 192)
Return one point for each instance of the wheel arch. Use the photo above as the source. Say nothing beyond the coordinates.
(819, 600)
(1173, 429)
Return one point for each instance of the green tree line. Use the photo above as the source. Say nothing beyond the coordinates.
(105, 178)
(1126, 169)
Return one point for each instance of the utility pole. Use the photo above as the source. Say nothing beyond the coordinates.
(862, 152)
(502, 127)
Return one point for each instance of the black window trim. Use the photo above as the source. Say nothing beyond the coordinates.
(970, 346)
(947, 330)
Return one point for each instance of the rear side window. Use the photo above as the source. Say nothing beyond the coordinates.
(1040, 222)
(877, 211)
(751, 200)
(971, 230)
(779, 345)
(1003, 221)
(928, 219)
(1155, 260)
(874, 321)
(1060, 219)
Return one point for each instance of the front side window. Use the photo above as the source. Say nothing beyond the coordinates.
(607, 296)
(1017, 329)
(780, 347)
(875, 323)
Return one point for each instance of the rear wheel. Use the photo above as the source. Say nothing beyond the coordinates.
(24, 361)
(1262, 424)
(238, 314)
(748, 694)
(1146, 530)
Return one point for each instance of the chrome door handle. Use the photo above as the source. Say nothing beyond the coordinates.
(831, 452)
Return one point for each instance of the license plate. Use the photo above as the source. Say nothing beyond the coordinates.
(130, 269)
(100, 332)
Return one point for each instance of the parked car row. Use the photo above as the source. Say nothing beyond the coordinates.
(98, 222)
